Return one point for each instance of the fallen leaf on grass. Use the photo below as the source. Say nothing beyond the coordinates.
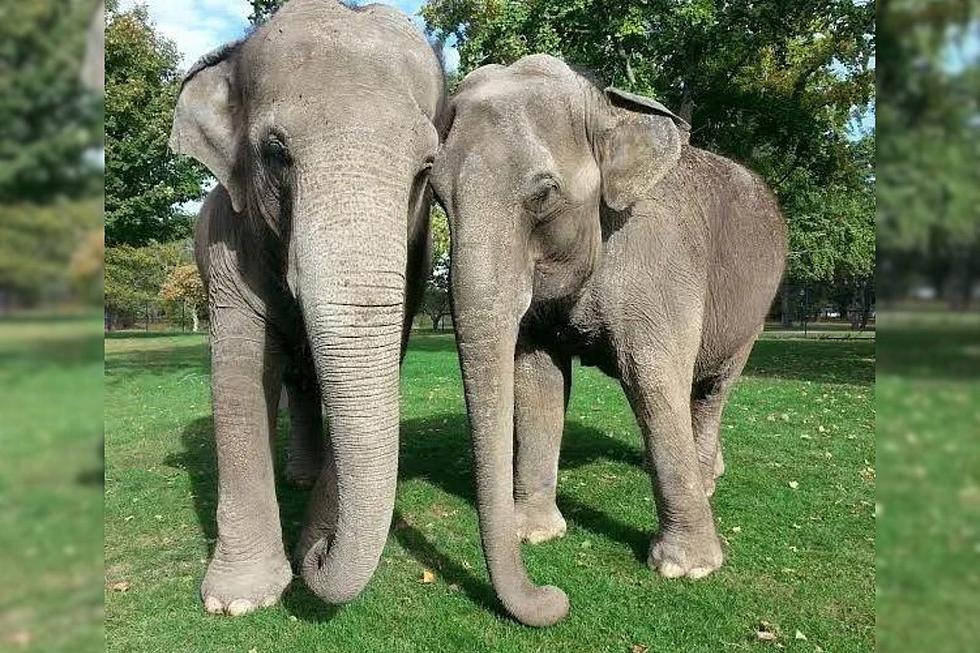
(119, 586)
(428, 577)
(765, 632)
(639, 648)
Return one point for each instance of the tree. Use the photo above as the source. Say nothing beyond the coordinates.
(772, 84)
(144, 181)
(37, 247)
(929, 181)
(134, 277)
(50, 123)
(183, 286)
(262, 9)
(435, 301)
(48, 120)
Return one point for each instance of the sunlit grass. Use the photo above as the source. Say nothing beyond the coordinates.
(799, 559)
(51, 485)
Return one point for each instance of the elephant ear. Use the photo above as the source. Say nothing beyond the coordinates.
(205, 117)
(638, 147)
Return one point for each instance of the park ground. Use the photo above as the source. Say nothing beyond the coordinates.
(796, 510)
(928, 524)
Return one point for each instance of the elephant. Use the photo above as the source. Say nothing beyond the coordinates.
(320, 128)
(584, 224)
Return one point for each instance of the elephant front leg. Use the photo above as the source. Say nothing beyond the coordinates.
(304, 452)
(249, 568)
(686, 543)
(541, 385)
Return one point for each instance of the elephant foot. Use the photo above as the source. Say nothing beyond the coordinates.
(536, 525)
(237, 588)
(679, 553)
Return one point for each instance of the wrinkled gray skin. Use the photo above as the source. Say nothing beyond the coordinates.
(584, 225)
(320, 129)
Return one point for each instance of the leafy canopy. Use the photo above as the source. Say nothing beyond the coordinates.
(773, 84)
(144, 181)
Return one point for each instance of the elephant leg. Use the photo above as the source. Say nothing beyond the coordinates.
(304, 452)
(708, 399)
(249, 568)
(686, 543)
(541, 386)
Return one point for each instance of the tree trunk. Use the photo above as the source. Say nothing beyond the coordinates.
(785, 319)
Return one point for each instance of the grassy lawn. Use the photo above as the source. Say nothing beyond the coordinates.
(928, 396)
(50, 485)
(796, 509)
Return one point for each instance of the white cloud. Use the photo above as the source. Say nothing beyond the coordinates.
(199, 26)
(196, 26)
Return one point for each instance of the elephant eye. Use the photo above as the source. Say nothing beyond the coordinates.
(543, 198)
(275, 152)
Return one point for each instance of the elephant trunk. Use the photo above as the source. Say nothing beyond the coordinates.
(490, 296)
(351, 291)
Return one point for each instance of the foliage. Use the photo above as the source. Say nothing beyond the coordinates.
(262, 9)
(144, 181)
(134, 276)
(800, 559)
(87, 266)
(183, 286)
(50, 125)
(435, 301)
(773, 84)
(48, 120)
(928, 170)
(38, 245)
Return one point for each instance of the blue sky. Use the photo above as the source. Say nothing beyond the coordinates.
(199, 26)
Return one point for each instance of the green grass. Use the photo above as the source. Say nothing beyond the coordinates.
(928, 396)
(50, 485)
(801, 560)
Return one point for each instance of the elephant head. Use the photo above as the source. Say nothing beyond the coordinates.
(537, 161)
(320, 125)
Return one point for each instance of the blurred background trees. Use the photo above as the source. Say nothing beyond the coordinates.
(929, 162)
(50, 169)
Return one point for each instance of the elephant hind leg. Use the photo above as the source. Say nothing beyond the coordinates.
(304, 452)
(708, 397)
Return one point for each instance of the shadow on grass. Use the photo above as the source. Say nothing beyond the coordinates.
(143, 335)
(432, 341)
(65, 351)
(943, 351)
(820, 361)
(186, 357)
(434, 448)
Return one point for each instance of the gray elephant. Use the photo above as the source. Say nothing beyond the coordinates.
(583, 224)
(320, 129)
